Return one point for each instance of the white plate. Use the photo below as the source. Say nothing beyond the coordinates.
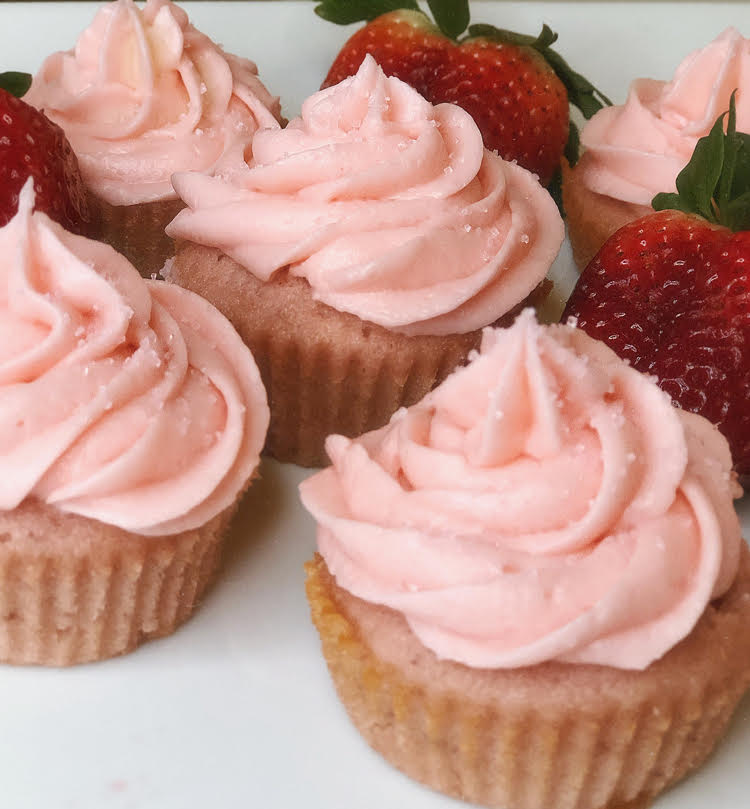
(236, 709)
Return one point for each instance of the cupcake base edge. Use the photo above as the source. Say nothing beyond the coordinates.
(572, 737)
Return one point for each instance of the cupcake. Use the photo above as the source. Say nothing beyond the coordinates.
(132, 419)
(634, 151)
(531, 587)
(360, 251)
(142, 95)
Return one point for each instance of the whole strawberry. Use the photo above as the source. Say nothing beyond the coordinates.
(515, 87)
(671, 291)
(30, 144)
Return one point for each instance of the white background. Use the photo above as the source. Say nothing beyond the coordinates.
(236, 709)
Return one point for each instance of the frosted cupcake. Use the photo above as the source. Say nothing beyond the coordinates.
(634, 151)
(131, 421)
(360, 252)
(142, 95)
(532, 591)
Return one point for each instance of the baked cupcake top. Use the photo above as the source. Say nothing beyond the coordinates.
(636, 150)
(546, 502)
(128, 401)
(144, 94)
(390, 207)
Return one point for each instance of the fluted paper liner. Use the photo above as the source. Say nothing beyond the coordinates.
(136, 231)
(73, 590)
(553, 736)
(325, 371)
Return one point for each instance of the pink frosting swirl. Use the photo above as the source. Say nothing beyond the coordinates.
(636, 150)
(144, 94)
(131, 402)
(390, 207)
(546, 502)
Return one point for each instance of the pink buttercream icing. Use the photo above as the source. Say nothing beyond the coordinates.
(144, 94)
(546, 502)
(390, 207)
(131, 402)
(636, 150)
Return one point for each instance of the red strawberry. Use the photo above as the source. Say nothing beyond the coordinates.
(515, 87)
(30, 144)
(671, 291)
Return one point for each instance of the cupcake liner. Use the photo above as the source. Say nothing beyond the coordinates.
(325, 371)
(592, 218)
(316, 388)
(515, 738)
(136, 231)
(73, 590)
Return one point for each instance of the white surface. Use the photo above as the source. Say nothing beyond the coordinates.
(236, 709)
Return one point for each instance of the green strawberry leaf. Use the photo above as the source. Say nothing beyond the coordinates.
(741, 179)
(716, 181)
(731, 149)
(735, 176)
(697, 182)
(451, 16)
(573, 146)
(555, 191)
(344, 12)
(736, 214)
(546, 38)
(15, 83)
(671, 202)
(581, 92)
(502, 35)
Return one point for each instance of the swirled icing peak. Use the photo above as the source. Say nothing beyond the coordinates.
(546, 502)
(390, 207)
(128, 401)
(636, 150)
(144, 94)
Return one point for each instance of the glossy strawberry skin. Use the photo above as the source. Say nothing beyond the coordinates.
(30, 144)
(405, 44)
(670, 293)
(517, 101)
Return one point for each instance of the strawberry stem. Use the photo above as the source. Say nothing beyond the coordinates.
(715, 184)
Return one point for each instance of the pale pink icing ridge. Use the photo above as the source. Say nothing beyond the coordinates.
(390, 207)
(636, 150)
(145, 94)
(128, 401)
(547, 502)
